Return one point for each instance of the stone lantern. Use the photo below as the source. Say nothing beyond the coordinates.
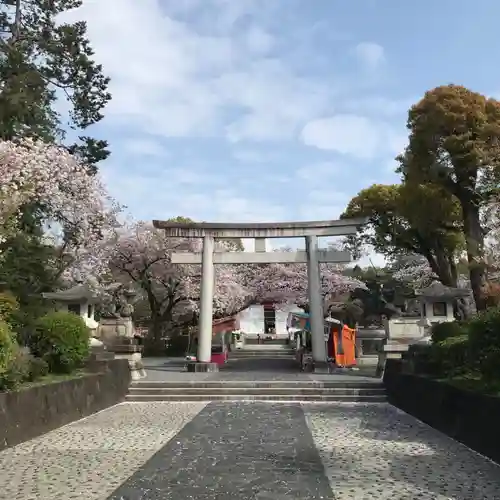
(80, 300)
(436, 304)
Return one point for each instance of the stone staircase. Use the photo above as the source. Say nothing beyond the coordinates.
(269, 342)
(261, 353)
(246, 390)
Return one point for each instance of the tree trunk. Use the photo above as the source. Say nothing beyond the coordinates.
(474, 238)
(154, 344)
(446, 269)
(442, 265)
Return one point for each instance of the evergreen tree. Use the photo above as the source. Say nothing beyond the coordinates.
(42, 60)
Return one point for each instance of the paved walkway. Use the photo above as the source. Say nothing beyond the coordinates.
(248, 451)
(258, 368)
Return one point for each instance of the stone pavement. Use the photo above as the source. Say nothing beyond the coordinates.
(266, 368)
(248, 451)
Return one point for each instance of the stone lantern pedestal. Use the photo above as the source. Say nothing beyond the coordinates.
(127, 348)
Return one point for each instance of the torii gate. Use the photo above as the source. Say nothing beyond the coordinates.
(312, 256)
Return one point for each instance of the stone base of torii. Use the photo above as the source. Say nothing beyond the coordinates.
(312, 256)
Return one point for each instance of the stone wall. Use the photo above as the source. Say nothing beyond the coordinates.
(468, 417)
(28, 413)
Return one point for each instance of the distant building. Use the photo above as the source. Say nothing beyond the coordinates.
(261, 318)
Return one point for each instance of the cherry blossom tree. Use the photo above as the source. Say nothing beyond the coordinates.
(288, 283)
(76, 207)
(412, 270)
(142, 255)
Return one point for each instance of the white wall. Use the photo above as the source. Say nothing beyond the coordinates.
(252, 319)
(89, 320)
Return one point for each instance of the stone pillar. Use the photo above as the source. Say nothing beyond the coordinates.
(260, 244)
(315, 304)
(206, 301)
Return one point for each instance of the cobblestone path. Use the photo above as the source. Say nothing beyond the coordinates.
(248, 451)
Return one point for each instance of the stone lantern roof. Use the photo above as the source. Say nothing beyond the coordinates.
(78, 293)
(437, 292)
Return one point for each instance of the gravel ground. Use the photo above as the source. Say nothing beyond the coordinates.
(88, 459)
(247, 451)
(379, 452)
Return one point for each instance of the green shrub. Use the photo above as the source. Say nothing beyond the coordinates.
(8, 307)
(422, 359)
(446, 330)
(62, 340)
(8, 349)
(484, 341)
(17, 371)
(38, 368)
(452, 356)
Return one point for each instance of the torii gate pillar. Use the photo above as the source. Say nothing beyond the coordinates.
(206, 301)
(316, 316)
(211, 231)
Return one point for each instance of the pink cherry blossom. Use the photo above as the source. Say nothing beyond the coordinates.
(36, 172)
(142, 254)
(288, 283)
(414, 271)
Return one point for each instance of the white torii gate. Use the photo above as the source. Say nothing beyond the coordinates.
(312, 256)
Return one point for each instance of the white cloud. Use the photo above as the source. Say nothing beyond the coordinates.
(378, 105)
(145, 147)
(321, 211)
(258, 41)
(318, 173)
(352, 135)
(251, 156)
(370, 54)
(397, 141)
(347, 134)
(192, 193)
(274, 101)
(210, 68)
(175, 80)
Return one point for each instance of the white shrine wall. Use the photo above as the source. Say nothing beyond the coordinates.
(252, 319)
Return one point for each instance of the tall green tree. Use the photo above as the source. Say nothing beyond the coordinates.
(454, 145)
(42, 60)
(405, 219)
(28, 268)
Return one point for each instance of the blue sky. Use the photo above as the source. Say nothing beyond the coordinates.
(262, 110)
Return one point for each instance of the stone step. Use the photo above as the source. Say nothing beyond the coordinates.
(285, 350)
(254, 341)
(261, 397)
(262, 354)
(341, 391)
(259, 384)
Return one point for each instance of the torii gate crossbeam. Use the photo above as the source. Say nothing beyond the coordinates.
(209, 231)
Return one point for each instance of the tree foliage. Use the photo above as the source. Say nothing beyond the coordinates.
(398, 225)
(142, 255)
(454, 145)
(51, 212)
(42, 60)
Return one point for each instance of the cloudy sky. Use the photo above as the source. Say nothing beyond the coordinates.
(269, 110)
